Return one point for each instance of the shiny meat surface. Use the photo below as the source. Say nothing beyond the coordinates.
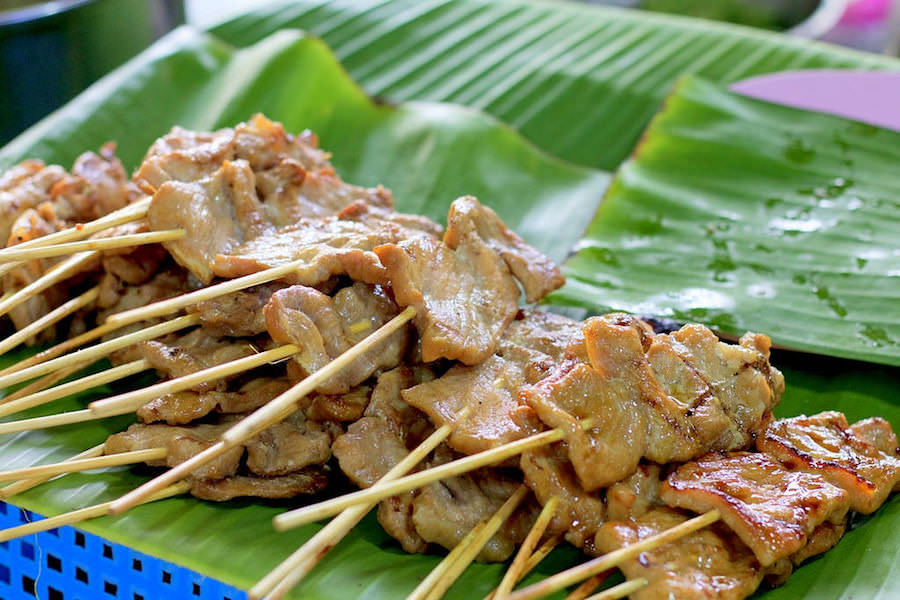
(183, 407)
(544, 332)
(375, 216)
(651, 398)
(822, 539)
(308, 481)
(378, 441)
(97, 186)
(218, 213)
(464, 297)
(182, 443)
(579, 513)
(237, 315)
(771, 509)
(193, 352)
(633, 497)
(537, 273)
(288, 446)
(324, 327)
(327, 247)
(347, 407)
(710, 564)
(23, 187)
(136, 264)
(879, 433)
(445, 511)
(825, 444)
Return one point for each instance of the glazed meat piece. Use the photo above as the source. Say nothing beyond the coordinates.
(545, 332)
(445, 511)
(307, 481)
(23, 187)
(771, 509)
(182, 443)
(633, 497)
(822, 539)
(709, 563)
(537, 273)
(134, 265)
(288, 446)
(325, 327)
(374, 444)
(218, 213)
(464, 297)
(239, 314)
(347, 407)
(879, 433)
(193, 352)
(579, 513)
(327, 247)
(183, 407)
(97, 186)
(374, 215)
(825, 444)
(653, 396)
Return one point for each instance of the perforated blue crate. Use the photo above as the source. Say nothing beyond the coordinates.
(68, 564)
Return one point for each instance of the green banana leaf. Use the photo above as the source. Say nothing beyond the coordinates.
(484, 55)
(749, 215)
(580, 81)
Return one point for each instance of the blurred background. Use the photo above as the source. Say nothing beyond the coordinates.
(50, 51)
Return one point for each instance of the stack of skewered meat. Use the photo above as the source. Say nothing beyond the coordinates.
(655, 426)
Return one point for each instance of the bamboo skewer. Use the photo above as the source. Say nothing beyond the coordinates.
(57, 273)
(85, 464)
(165, 307)
(41, 384)
(131, 401)
(588, 586)
(514, 572)
(46, 422)
(19, 254)
(132, 212)
(273, 412)
(614, 558)
(540, 554)
(100, 350)
(73, 387)
(84, 514)
(26, 484)
(51, 318)
(621, 590)
(448, 571)
(328, 508)
(289, 573)
(60, 348)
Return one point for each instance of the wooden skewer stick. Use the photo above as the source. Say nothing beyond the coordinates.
(84, 514)
(289, 573)
(57, 420)
(514, 572)
(451, 568)
(540, 554)
(59, 272)
(588, 586)
(613, 559)
(41, 384)
(328, 508)
(51, 318)
(60, 348)
(18, 254)
(73, 387)
(131, 401)
(126, 214)
(85, 464)
(26, 484)
(294, 568)
(165, 307)
(276, 410)
(621, 590)
(100, 350)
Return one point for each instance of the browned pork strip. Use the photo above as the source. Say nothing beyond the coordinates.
(289, 446)
(193, 352)
(23, 187)
(183, 407)
(661, 397)
(827, 445)
(307, 481)
(771, 509)
(239, 314)
(324, 327)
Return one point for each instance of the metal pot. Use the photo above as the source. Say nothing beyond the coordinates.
(50, 51)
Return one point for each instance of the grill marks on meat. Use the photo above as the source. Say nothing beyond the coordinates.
(193, 352)
(771, 509)
(862, 460)
(710, 563)
(289, 446)
(661, 397)
(324, 327)
(307, 481)
(183, 407)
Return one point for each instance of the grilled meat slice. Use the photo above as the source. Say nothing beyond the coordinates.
(579, 513)
(23, 187)
(633, 497)
(822, 539)
(307, 481)
(289, 446)
(193, 352)
(771, 509)
(97, 186)
(537, 273)
(347, 407)
(183, 407)
(324, 327)
(136, 264)
(825, 444)
(239, 314)
(710, 563)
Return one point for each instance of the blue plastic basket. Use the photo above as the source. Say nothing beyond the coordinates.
(69, 564)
